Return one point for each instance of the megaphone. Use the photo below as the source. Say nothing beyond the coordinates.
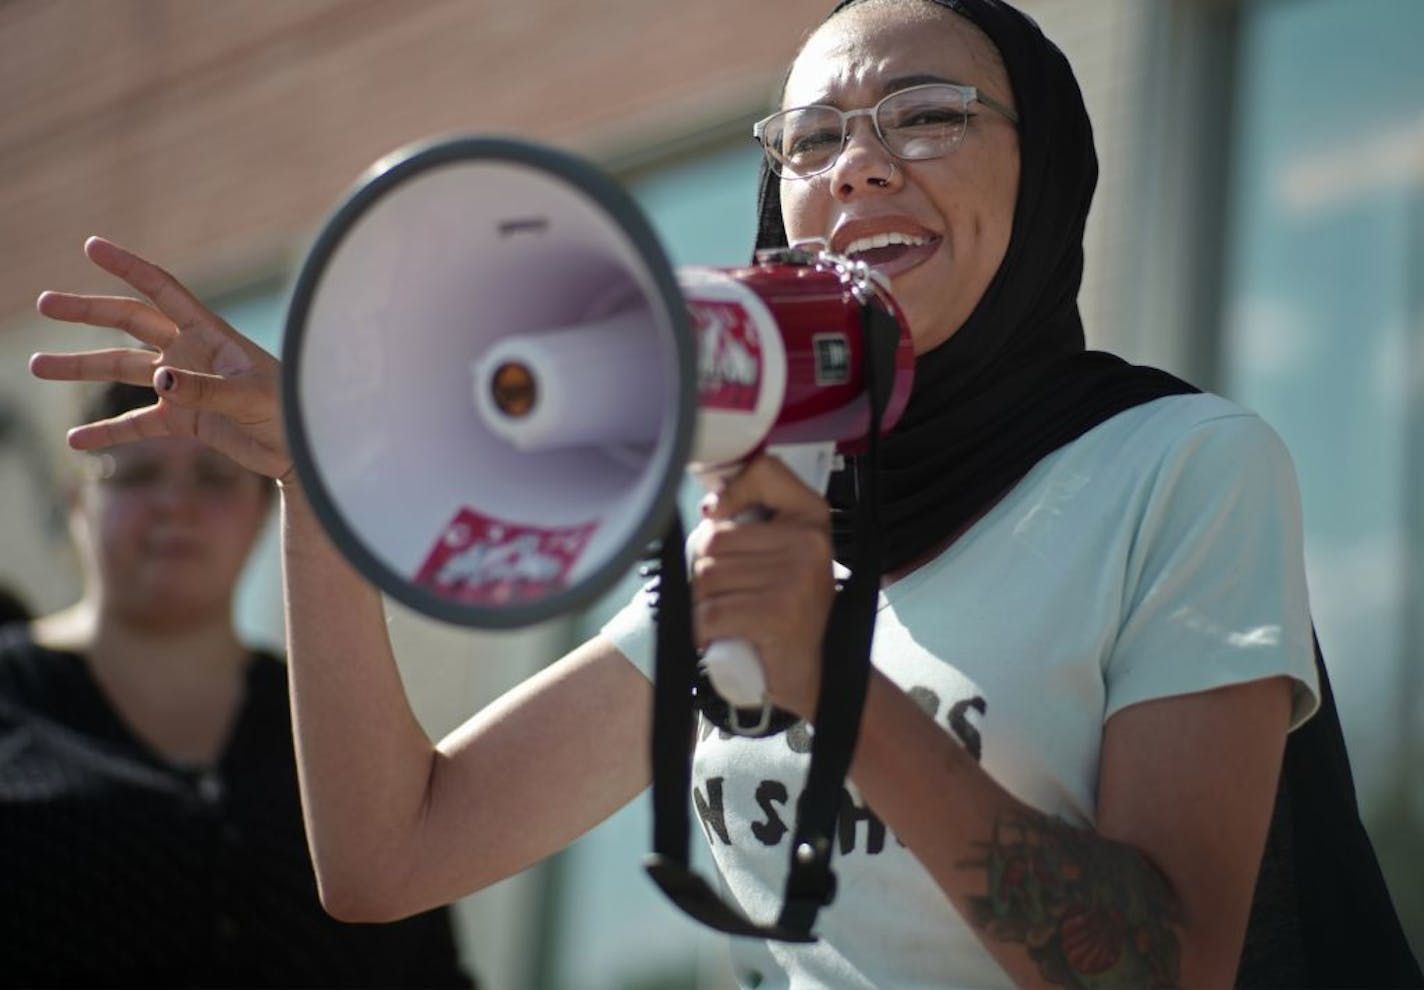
(494, 382)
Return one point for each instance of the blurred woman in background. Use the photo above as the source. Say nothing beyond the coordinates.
(150, 828)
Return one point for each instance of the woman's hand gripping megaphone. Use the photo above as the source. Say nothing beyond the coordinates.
(762, 574)
(213, 383)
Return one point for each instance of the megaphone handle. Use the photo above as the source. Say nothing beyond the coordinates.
(734, 668)
(732, 665)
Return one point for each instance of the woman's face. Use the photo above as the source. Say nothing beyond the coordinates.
(959, 208)
(167, 525)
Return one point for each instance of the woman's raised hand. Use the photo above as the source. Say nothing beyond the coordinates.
(213, 383)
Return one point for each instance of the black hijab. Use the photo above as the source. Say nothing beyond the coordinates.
(1015, 382)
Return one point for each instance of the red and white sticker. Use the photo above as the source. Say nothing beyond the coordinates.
(729, 365)
(479, 560)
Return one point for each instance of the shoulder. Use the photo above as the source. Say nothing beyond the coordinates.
(21, 659)
(1178, 422)
(267, 664)
(36, 680)
(267, 678)
(1184, 446)
(1204, 443)
(1149, 470)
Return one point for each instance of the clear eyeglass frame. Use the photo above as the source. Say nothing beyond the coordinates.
(767, 130)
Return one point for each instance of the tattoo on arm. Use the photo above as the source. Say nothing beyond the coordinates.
(1092, 913)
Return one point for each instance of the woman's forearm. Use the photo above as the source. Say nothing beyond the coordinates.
(363, 759)
(398, 825)
(1042, 895)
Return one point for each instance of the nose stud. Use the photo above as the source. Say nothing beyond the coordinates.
(882, 183)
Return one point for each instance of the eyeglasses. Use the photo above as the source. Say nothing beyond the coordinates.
(913, 124)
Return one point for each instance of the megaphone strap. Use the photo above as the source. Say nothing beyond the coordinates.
(672, 697)
(845, 675)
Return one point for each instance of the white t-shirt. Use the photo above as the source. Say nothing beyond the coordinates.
(1158, 554)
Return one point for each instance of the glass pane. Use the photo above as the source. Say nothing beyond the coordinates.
(1323, 338)
(704, 210)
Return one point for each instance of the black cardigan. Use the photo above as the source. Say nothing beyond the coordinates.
(120, 869)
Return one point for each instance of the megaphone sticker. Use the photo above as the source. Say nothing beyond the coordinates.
(730, 359)
(479, 560)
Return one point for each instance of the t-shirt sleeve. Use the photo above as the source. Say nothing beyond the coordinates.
(631, 631)
(1215, 592)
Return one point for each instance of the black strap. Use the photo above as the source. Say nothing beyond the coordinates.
(845, 676)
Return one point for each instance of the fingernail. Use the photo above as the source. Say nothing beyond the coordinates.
(709, 503)
(164, 380)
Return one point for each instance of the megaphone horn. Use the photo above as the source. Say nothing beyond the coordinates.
(440, 255)
(495, 381)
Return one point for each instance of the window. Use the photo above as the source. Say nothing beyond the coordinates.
(1324, 336)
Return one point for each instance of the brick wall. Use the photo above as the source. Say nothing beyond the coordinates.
(214, 136)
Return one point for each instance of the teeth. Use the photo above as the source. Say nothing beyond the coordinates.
(884, 240)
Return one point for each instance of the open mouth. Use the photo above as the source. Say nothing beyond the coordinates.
(891, 253)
